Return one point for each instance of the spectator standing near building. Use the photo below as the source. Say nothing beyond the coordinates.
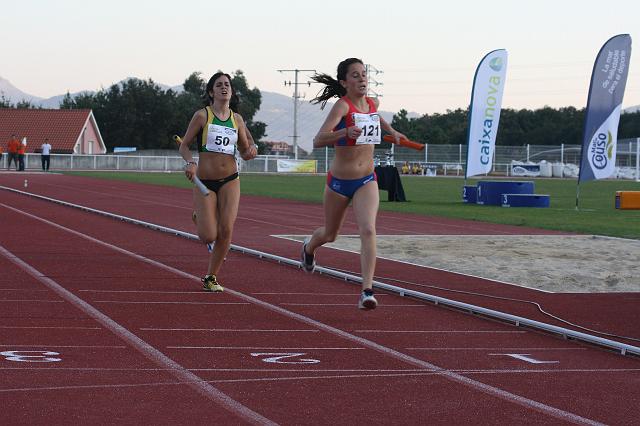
(12, 151)
(46, 155)
(22, 148)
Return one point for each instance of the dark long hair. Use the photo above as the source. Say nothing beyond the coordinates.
(233, 103)
(332, 87)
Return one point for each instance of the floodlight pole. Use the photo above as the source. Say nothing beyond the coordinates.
(295, 104)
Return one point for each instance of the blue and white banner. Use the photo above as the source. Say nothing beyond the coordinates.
(484, 113)
(608, 81)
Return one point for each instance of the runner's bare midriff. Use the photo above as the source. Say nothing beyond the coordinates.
(352, 162)
(216, 166)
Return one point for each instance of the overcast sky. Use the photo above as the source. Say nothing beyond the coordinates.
(428, 51)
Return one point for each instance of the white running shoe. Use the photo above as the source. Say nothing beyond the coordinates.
(367, 300)
(307, 261)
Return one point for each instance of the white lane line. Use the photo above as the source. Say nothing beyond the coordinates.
(351, 305)
(169, 303)
(443, 331)
(30, 290)
(482, 387)
(46, 327)
(141, 291)
(343, 370)
(263, 348)
(48, 345)
(201, 292)
(31, 301)
(421, 373)
(496, 349)
(181, 373)
(314, 294)
(410, 370)
(230, 330)
(77, 387)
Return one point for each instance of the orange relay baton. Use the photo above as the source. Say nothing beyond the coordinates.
(404, 142)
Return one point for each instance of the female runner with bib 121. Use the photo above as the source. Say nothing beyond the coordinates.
(353, 127)
(219, 133)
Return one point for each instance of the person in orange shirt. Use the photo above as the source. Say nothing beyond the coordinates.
(12, 151)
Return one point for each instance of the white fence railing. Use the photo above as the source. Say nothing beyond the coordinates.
(444, 159)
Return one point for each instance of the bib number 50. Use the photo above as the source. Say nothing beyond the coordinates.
(224, 141)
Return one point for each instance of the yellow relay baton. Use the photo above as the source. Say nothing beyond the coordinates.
(197, 182)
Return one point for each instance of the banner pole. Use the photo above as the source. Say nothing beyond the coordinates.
(637, 159)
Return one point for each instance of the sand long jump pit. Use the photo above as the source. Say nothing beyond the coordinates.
(553, 263)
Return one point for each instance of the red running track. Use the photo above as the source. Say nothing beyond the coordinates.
(114, 314)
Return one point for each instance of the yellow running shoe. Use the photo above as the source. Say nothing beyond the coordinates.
(210, 283)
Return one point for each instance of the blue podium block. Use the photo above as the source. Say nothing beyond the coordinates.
(470, 194)
(490, 191)
(525, 200)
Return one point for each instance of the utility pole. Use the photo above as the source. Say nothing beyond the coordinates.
(371, 81)
(295, 84)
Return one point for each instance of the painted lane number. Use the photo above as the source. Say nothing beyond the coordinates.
(31, 356)
(284, 358)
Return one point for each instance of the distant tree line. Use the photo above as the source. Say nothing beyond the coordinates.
(544, 126)
(140, 113)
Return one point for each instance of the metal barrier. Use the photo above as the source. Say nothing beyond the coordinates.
(448, 159)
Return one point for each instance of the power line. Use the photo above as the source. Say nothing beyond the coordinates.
(295, 85)
(371, 81)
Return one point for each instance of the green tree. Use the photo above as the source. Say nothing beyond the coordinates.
(248, 105)
(27, 104)
(4, 102)
(141, 114)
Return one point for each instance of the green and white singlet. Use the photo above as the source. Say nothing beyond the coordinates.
(217, 135)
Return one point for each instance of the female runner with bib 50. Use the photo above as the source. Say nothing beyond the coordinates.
(219, 133)
(353, 127)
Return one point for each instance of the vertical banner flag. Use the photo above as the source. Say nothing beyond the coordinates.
(608, 80)
(484, 112)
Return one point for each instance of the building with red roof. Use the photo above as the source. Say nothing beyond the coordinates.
(70, 131)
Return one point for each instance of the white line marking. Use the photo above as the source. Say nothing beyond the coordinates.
(233, 405)
(496, 349)
(351, 305)
(30, 290)
(170, 303)
(53, 345)
(142, 291)
(33, 300)
(315, 294)
(345, 370)
(526, 358)
(182, 374)
(55, 328)
(230, 330)
(421, 373)
(263, 348)
(441, 331)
